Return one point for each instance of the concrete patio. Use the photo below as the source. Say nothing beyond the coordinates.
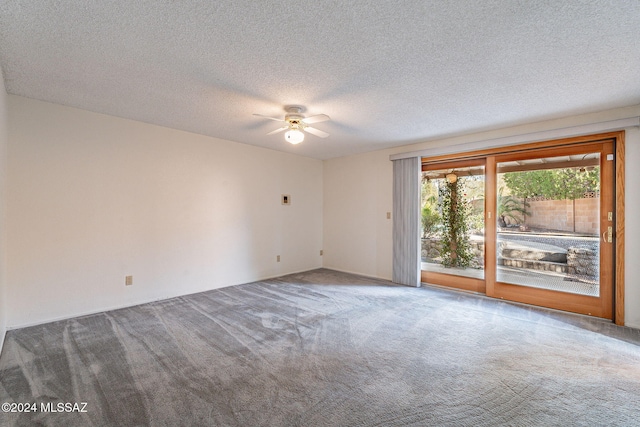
(537, 260)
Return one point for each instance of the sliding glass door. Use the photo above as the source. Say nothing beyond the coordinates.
(533, 225)
(554, 228)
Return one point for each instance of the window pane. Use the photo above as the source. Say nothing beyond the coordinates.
(453, 221)
(548, 223)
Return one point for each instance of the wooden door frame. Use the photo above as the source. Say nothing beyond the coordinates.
(601, 305)
(618, 300)
(618, 138)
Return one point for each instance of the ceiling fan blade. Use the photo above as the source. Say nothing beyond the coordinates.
(278, 130)
(316, 119)
(267, 117)
(316, 132)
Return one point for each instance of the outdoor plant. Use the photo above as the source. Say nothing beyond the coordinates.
(510, 207)
(557, 184)
(430, 220)
(456, 249)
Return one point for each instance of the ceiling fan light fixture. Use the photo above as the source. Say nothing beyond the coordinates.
(294, 136)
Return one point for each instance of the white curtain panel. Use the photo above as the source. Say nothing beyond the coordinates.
(406, 221)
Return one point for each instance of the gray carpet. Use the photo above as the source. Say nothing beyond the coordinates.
(325, 349)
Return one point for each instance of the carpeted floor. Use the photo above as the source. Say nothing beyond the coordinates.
(324, 349)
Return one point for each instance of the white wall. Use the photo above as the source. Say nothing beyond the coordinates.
(93, 198)
(3, 225)
(358, 194)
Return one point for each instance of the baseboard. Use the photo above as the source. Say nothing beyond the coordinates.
(388, 279)
(97, 311)
(632, 325)
(151, 300)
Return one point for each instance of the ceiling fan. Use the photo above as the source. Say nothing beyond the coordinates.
(296, 124)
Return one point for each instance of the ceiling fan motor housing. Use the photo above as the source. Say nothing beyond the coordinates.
(295, 121)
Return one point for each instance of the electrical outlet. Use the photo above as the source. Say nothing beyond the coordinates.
(278, 258)
(388, 215)
(321, 252)
(128, 280)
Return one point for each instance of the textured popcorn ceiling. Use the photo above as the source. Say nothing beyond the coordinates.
(387, 72)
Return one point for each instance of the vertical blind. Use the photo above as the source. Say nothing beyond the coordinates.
(406, 221)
